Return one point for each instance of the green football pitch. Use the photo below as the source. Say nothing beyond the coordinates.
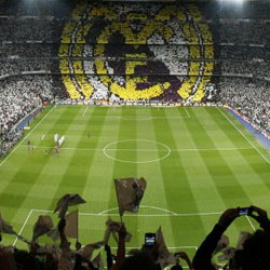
(197, 163)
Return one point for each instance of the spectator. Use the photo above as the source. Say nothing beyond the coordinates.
(184, 256)
(255, 251)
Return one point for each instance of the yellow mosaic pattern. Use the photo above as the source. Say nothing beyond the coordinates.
(198, 39)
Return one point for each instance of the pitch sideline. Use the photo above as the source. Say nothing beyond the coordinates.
(24, 138)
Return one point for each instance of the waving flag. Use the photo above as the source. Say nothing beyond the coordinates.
(65, 201)
(43, 225)
(129, 193)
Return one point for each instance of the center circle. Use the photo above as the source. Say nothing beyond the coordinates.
(136, 151)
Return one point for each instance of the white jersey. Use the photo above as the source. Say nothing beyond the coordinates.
(56, 138)
(61, 140)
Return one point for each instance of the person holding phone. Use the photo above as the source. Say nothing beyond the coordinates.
(184, 256)
(255, 253)
(150, 239)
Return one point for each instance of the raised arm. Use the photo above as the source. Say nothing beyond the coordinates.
(121, 249)
(203, 256)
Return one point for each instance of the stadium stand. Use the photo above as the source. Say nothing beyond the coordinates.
(164, 29)
(249, 97)
(118, 53)
(128, 53)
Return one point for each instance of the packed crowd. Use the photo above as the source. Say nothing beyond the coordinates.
(20, 97)
(243, 53)
(29, 50)
(249, 97)
(17, 66)
(255, 68)
(26, 29)
(132, 45)
(251, 32)
(147, 63)
(17, 99)
(251, 251)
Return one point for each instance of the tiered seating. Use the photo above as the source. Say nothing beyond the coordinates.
(127, 45)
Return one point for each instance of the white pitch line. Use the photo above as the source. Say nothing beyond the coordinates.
(145, 150)
(250, 223)
(169, 247)
(187, 113)
(106, 213)
(244, 136)
(179, 149)
(136, 149)
(85, 110)
(23, 226)
(141, 206)
(212, 149)
(153, 215)
(108, 118)
(23, 139)
(159, 209)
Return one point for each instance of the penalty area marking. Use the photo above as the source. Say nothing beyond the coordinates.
(106, 213)
(250, 223)
(141, 206)
(23, 226)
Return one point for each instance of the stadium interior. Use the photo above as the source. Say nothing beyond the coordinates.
(102, 64)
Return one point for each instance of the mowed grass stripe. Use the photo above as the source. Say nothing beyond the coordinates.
(252, 171)
(68, 177)
(99, 173)
(177, 190)
(100, 191)
(175, 118)
(99, 180)
(222, 176)
(13, 162)
(25, 180)
(204, 192)
(127, 131)
(249, 137)
(27, 166)
(213, 121)
(151, 171)
(38, 120)
(75, 174)
(97, 188)
(43, 194)
(55, 165)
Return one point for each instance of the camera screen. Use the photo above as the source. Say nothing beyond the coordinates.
(150, 239)
(243, 211)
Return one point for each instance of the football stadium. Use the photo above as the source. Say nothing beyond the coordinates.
(134, 134)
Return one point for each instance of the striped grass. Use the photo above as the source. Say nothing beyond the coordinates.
(197, 162)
